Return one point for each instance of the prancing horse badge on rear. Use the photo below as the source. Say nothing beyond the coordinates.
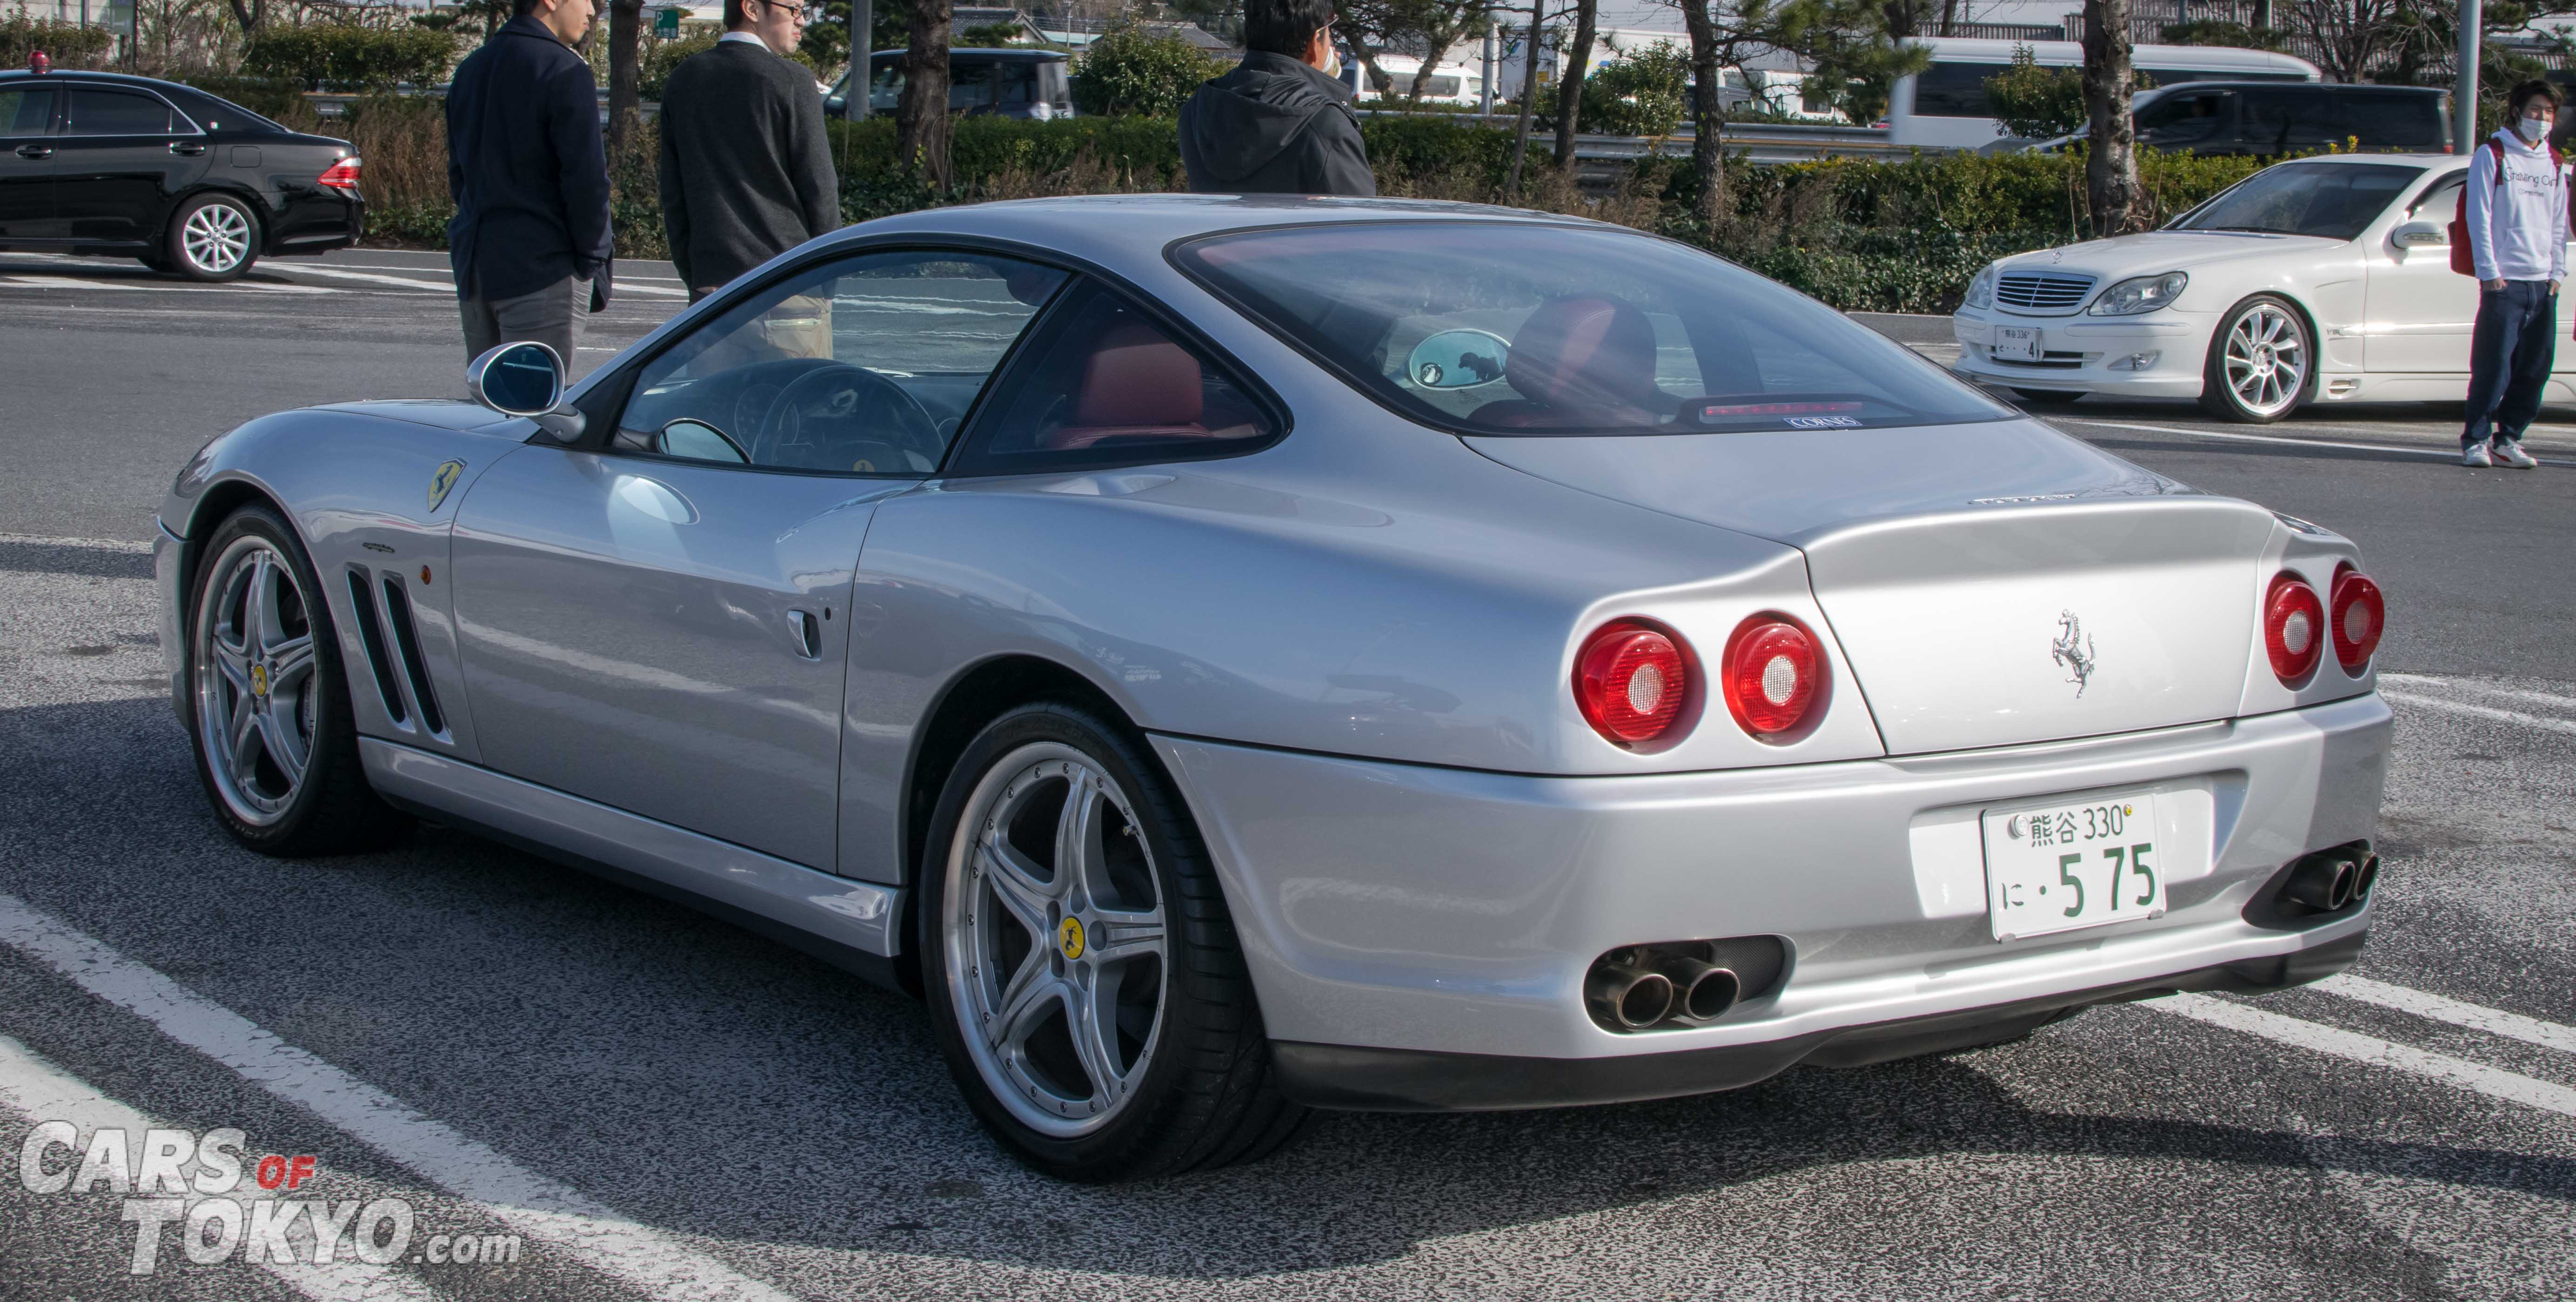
(443, 479)
(2073, 650)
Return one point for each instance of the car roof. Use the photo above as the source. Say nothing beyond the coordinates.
(90, 76)
(2299, 87)
(981, 53)
(1116, 227)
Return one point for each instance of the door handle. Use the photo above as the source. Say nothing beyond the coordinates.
(35, 151)
(186, 148)
(808, 633)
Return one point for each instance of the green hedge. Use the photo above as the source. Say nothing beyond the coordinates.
(337, 57)
(68, 44)
(1896, 235)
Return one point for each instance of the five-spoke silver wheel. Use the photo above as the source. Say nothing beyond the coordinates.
(257, 694)
(215, 238)
(2261, 364)
(1055, 941)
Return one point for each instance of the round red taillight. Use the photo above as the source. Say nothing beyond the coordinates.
(1631, 680)
(1773, 676)
(2359, 615)
(2294, 627)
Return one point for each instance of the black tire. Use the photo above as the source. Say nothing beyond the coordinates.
(330, 809)
(2046, 397)
(229, 215)
(1205, 1097)
(2220, 397)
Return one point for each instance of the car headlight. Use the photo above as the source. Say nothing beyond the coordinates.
(2142, 294)
(1981, 291)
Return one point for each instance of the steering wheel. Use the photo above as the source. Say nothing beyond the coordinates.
(824, 416)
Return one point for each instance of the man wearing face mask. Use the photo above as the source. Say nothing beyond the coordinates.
(1281, 122)
(2515, 208)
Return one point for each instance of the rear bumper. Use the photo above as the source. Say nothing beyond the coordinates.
(1359, 1079)
(1427, 911)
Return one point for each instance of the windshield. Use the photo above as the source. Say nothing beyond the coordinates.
(2334, 200)
(1519, 328)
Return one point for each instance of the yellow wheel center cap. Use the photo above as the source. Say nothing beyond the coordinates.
(259, 680)
(1069, 937)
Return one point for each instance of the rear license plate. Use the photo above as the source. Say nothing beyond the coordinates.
(2016, 344)
(2065, 864)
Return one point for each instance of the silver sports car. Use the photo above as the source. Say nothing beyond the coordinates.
(1231, 657)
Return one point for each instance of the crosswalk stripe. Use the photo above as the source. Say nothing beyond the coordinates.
(40, 1091)
(539, 1205)
(2481, 711)
(2474, 1017)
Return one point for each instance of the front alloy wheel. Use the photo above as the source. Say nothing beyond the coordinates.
(1086, 983)
(2261, 363)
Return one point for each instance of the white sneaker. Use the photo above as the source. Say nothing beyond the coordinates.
(2477, 456)
(2511, 454)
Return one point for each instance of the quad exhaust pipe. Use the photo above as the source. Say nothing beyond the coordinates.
(1675, 984)
(2335, 879)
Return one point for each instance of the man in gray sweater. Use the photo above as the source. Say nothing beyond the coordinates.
(746, 167)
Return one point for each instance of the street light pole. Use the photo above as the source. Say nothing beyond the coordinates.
(863, 24)
(1486, 106)
(2464, 98)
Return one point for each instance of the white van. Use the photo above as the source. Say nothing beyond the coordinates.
(1451, 82)
(1945, 104)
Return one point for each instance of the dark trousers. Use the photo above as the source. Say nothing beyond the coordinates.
(2509, 358)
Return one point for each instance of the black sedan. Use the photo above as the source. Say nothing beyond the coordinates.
(97, 162)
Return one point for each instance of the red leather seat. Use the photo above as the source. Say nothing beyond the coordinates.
(1135, 385)
(1582, 361)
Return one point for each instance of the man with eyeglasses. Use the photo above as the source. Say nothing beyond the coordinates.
(1281, 122)
(746, 169)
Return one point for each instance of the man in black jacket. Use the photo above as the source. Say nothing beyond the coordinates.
(746, 168)
(525, 166)
(1281, 122)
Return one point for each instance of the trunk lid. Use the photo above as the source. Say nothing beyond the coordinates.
(1990, 584)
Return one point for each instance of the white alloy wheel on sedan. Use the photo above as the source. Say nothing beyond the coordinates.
(1086, 982)
(2260, 362)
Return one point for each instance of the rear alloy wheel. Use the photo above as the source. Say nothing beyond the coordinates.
(1082, 971)
(268, 703)
(212, 237)
(2046, 397)
(2262, 363)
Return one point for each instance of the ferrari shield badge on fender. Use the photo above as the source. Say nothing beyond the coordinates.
(443, 479)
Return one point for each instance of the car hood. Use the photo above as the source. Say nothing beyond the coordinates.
(439, 413)
(2156, 252)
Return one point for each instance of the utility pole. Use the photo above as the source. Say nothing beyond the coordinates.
(863, 30)
(1486, 107)
(2464, 98)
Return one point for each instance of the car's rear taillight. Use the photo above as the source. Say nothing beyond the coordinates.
(2359, 615)
(2293, 628)
(342, 175)
(1632, 681)
(1773, 677)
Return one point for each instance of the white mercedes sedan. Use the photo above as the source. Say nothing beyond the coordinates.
(2323, 278)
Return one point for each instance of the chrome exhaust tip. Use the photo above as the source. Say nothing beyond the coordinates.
(1702, 992)
(2323, 882)
(1628, 996)
(2366, 876)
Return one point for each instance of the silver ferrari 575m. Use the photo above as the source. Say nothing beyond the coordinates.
(1231, 657)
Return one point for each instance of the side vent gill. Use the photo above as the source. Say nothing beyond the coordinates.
(362, 602)
(407, 640)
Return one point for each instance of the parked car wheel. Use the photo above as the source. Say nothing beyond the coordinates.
(2262, 363)
(1084, 976)
(212, 237)
(2046, 397)
(268, 701)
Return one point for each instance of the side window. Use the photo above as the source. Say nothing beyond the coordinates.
(121, 113)
(25, 112)
(2181, 119)
(1102, 384)
(2442, 202)
(885, 86)
(864, 365)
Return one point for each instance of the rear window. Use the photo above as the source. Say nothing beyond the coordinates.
(1527, 329)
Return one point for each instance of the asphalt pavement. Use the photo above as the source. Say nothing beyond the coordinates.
(646, 1103)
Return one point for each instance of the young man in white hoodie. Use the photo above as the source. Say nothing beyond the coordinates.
(2517, 218)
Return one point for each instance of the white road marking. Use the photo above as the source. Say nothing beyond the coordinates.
(2481, 711)
(2509, 693)
(96, 544)
(43, 1092)
(540, 1206)
(2288, 442)
(67, 282)
(439, 286)
(447, 279)
(2475, 1017)
(2495, 1083)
